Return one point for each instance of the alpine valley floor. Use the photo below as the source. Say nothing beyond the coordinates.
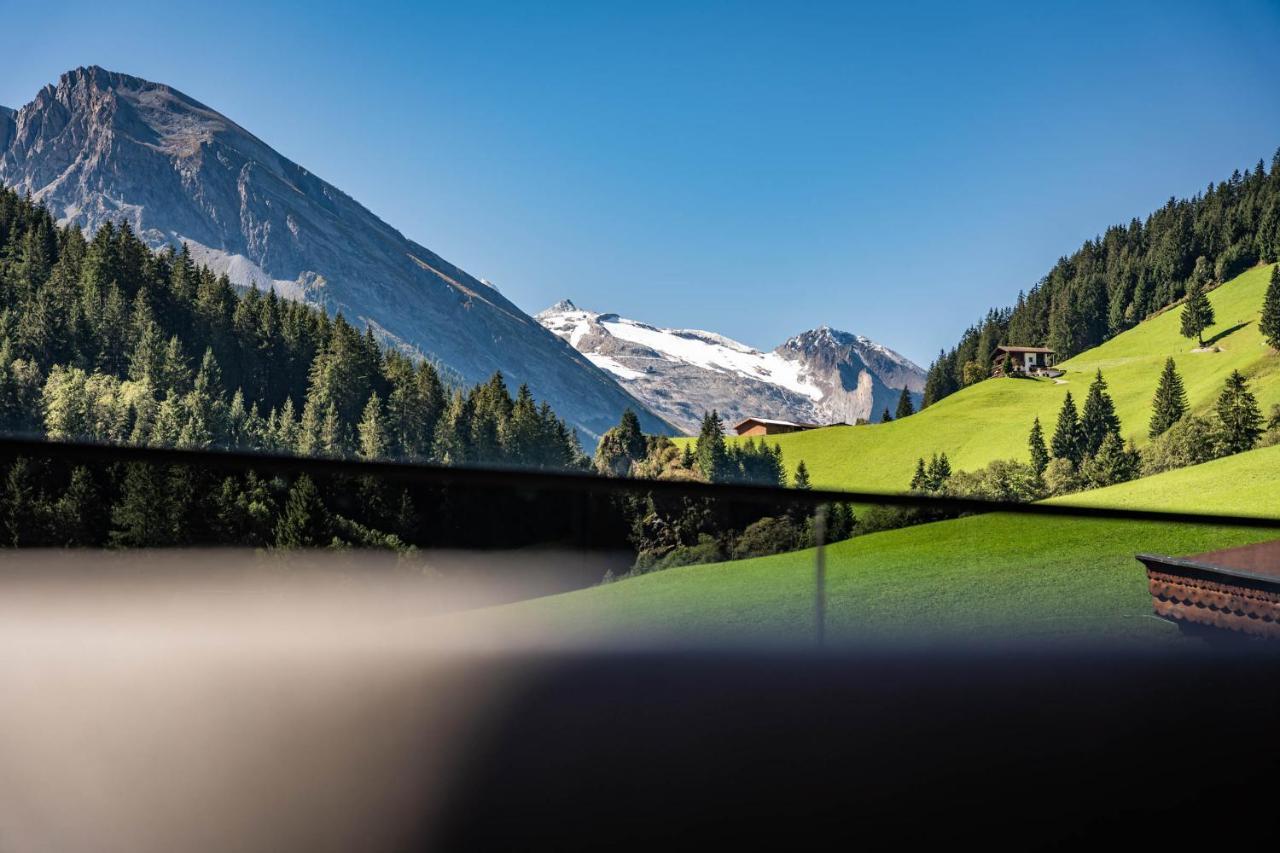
(996, 576)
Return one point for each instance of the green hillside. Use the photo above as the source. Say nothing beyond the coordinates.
(990, 420)
(1000, 576)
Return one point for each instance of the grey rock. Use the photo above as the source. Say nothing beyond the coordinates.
(8, 125)
(103, 146)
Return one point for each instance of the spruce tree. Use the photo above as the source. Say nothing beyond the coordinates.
(710, 450)
(905, 407)
(1239, 419)
(140, 518)
(885, 417)
(1066, 443)
(304, 523)
(938, 472)
(332, 443)
(77, 515)
(920, 479)
(373, 434)
(1269, 324)
(631, 436)
(18, 503)
(175, 375)
(802, 477)
(1197, 312)
(1170, 402)
(1099, 418)
(1113, 463)
(1039, 452)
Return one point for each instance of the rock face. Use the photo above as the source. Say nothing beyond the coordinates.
(7, 126)
(820, 376)
(103, 146)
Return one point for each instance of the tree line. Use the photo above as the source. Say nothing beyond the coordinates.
(1130, 272)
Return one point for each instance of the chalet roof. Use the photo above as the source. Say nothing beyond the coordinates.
(1236, 588)
(1015, 348)
(775, 423)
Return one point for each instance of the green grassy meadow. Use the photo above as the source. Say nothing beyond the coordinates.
(992, 576)
(991, 420)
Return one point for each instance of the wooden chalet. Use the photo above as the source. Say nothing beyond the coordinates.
(1010, 360)
(768, 426)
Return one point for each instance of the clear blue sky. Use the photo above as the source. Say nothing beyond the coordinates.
(752, 169)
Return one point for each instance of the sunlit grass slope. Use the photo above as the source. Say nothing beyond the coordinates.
(999, 576)
(990, 420)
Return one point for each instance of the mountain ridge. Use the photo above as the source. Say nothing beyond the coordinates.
(822, 375)
(104, 146)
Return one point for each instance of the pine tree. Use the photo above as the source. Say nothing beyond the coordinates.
(1039, 452)
(1113, 463)
(1239, 419)
(286, 434)
(920, 479)
(521, 433)
(307, 441)
(631, 435)
(140, 517)
(885, 417)
(305, 522)
(1269, 324)
(147, 361)
(1099, 418)
(905, 407)
(77, 516)
(1067, 441)
(938, 472)
(18, 503)
(1170, 402)
(802, 477)
(1197, 312)
(331, 440)
(175, 375)
(373, 434)
(710, 450)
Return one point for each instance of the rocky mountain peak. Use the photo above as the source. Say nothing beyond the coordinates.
(103, 146)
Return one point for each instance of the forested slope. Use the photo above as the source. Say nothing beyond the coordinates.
(1115, 281)
(991, 419)
(103, 340)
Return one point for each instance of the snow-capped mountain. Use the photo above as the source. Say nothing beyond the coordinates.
(103, 146)
(820, 376)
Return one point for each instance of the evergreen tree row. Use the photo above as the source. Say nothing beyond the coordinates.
(105, 340)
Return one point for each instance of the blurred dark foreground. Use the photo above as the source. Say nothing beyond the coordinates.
(220, 713)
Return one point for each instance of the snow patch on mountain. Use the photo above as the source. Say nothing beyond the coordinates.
(823, 375)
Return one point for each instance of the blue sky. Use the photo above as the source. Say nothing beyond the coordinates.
(754, 169)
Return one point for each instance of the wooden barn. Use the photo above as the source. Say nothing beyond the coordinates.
(1021, 361)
